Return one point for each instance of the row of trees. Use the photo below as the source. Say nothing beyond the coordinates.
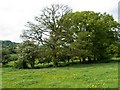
(62, 35)
(8, 51)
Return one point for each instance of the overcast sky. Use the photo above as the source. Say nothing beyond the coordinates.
(15, 13)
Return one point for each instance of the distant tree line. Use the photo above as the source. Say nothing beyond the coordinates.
(8, 51)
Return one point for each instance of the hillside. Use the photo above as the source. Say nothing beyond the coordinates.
(8, 51)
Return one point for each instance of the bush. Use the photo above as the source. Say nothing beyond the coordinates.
(27, 54)
(21, 65)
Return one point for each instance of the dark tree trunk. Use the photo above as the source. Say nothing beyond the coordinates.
(80, 60)
(89, 59)
(55, 61)
(68, 58)
(83, 59)
(32, 63)
(72, 61)
(32, 66)
(24, 65)
(94, 59)
(4, 63)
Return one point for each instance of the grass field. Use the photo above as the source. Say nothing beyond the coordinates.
(103, 75)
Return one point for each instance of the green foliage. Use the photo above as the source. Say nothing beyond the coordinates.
(8, 51)
(11, 46)
(5, 56)
(63, 35)
(13, 57)
(27, 53)
(113, 50)
(82, 45)
(102, 32)
(44, 54)
(21, 64)
(48, 30)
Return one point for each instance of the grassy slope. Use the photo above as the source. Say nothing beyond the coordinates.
(104, 75)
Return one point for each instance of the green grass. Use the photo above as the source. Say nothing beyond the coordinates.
(104, 75)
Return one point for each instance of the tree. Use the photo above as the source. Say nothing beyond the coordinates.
(8, 51)
(81, 47)
(48, 29)
(7, 56)
(27, 53)
(101, 28)
(105, 34)
(44, 54)
(11, 46)
(85, 34)
(112, 50)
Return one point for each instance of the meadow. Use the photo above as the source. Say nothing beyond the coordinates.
(102, 75)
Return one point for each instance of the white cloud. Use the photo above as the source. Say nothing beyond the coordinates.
(15, 13)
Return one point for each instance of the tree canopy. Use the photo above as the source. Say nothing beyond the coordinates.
(8, 51)
(63, 35)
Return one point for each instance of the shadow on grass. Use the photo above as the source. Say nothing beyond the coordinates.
(81, 64)
(73, 64)
(6, 66)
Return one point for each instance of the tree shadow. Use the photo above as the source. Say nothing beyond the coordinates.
(80, 64)
(6, 66)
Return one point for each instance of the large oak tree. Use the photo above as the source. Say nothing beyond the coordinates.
(47, 29)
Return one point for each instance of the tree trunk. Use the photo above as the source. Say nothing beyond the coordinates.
(24, 65)
(80, 60)
(68, 60)
(54, 56)
(55, 62)
(32, 66)
(83, 59)
(89, 59)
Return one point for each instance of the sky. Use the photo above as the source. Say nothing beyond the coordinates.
(15, 13)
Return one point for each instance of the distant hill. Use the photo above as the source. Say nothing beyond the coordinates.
(8, 51)
(8, 43)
